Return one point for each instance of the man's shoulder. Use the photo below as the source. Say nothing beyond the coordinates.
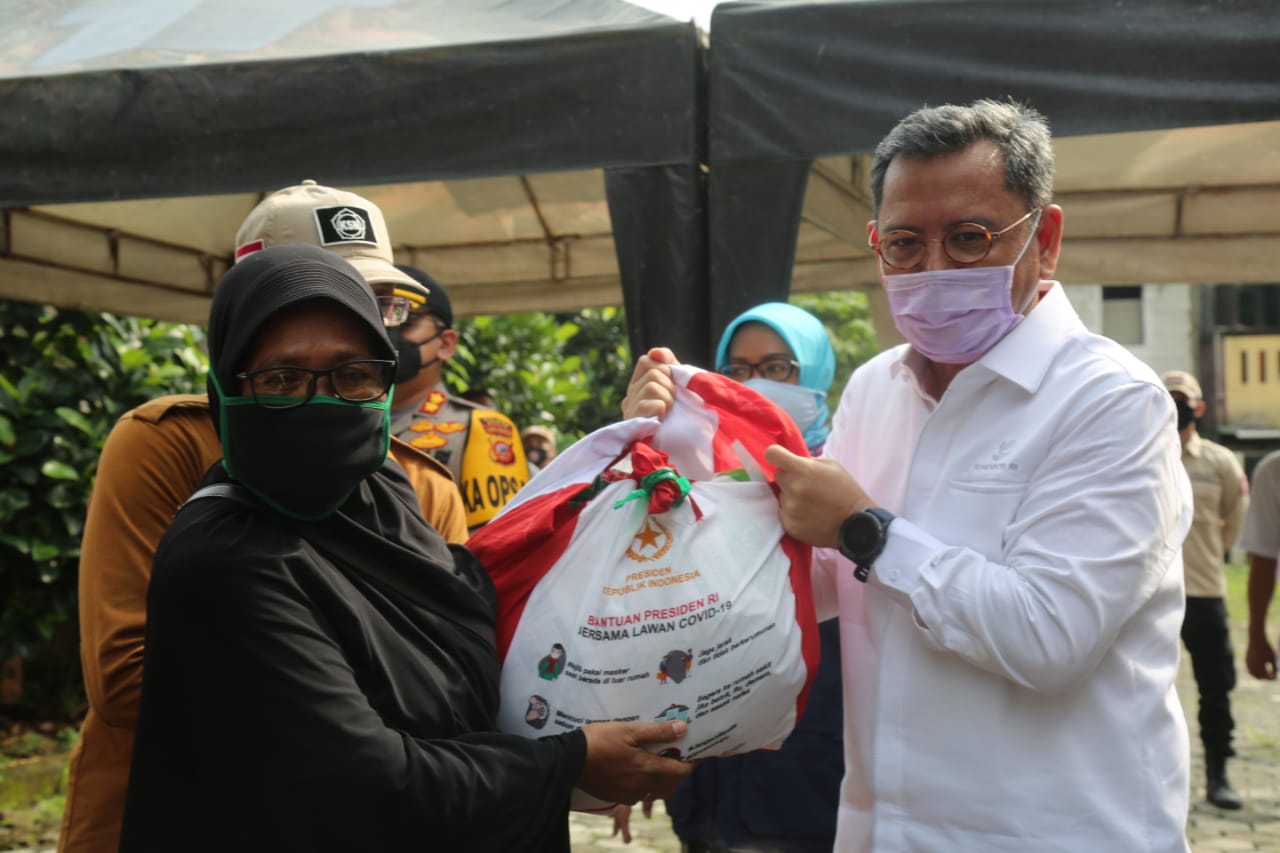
(414, 459)
(1268, 467)
(463, 404)
(169, 425)
(490, 414)
(1110, 357)
(1219, 454)
(173, 406)
(438, 403)
(1093, 367)
(880, 367)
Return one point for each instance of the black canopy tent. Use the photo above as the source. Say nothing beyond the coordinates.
(454, 115)
(791, 82)
(143, 99)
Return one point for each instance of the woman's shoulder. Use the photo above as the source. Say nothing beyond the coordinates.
(217, 539)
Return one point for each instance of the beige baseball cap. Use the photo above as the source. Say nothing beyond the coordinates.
(346, 224)
(1184, 383)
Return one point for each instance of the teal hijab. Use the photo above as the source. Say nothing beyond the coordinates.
(807, 339)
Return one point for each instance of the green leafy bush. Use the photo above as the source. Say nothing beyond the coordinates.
(67, 376)
(564, 371)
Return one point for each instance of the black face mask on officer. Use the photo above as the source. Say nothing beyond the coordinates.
(410, 353)
(1186, 413)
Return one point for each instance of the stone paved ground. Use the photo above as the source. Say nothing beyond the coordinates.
(1255, 773)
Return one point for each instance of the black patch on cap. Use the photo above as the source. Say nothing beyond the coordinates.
(345, 224)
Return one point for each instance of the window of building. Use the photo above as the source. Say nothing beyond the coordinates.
(1122, 314)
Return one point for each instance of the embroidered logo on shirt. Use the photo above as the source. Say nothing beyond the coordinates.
(429, 441)
(434, 402)
(998, 464)
(502, 452)
(498, 427)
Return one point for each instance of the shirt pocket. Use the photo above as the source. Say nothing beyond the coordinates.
(979, 510)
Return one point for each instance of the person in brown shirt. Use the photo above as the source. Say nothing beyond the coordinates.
(1221, 495)
(151, 463)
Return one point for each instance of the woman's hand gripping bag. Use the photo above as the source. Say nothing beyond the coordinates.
(644, 575)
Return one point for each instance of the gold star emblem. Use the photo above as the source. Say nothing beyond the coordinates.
(653, 535)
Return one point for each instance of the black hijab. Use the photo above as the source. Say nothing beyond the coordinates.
(266, 282)
(378, 536)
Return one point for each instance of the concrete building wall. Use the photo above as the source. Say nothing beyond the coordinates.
(1169, 326)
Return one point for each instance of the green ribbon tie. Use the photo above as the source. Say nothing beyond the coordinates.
(651, 481)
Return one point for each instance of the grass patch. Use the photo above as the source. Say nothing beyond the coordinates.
(33, 783)
(33, 825)
(1238, 592)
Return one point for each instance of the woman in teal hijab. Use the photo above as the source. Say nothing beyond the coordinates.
(784, 353)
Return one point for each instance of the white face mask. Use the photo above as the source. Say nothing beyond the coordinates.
(804, 405)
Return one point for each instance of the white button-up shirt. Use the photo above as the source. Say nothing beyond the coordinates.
(1009, 668)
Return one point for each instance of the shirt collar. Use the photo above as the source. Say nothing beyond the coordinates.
(909, 365)
(1025, 354)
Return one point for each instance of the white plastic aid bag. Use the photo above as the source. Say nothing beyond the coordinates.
(644, 575)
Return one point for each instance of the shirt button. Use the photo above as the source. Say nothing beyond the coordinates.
(893, 574)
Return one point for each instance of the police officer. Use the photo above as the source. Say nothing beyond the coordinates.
(480, 445)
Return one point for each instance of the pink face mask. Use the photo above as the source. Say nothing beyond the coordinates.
(954, 316)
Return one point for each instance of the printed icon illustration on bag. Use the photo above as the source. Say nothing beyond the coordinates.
(553, 663)
(675, 665)
(538, 712)
(674, 712)
(653, 537)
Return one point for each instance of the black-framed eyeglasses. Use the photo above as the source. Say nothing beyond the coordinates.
(286, 387)
(776, 367)
(964, 243)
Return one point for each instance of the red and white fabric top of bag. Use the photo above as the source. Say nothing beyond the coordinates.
(644, 575)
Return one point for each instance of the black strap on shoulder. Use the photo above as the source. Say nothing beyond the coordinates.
(233, 491)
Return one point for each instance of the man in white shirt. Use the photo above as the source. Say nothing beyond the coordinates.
(1261, 539)
(1012, 489)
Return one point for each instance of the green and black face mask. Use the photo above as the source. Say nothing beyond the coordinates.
(303, 461)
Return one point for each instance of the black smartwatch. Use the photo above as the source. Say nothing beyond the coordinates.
(862, 538)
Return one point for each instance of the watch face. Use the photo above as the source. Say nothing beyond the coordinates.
(860, 535)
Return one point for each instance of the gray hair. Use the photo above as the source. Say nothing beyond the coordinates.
(1021, 133)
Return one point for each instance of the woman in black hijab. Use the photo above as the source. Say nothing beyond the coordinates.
(320, 669)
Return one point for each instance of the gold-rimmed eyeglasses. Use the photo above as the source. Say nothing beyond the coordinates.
(964, 243)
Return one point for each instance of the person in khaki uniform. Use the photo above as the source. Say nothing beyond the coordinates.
(1221, 496)
(152, 462)
(481, 446)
